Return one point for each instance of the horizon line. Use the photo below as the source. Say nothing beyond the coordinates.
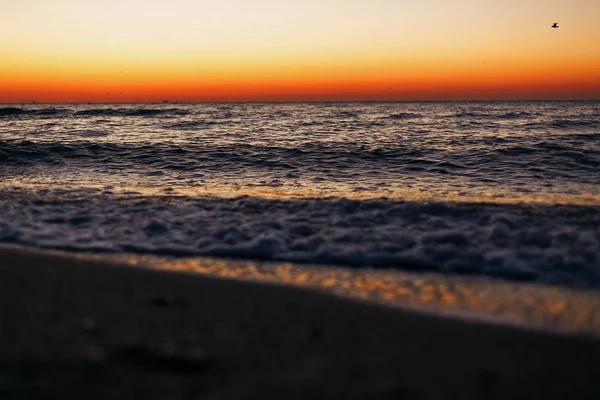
(30, 102)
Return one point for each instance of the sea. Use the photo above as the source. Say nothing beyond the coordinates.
(505, 190)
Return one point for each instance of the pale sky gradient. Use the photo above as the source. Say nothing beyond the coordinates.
(80, 50)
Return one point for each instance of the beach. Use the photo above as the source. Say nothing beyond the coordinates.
(319, 199)
(82, 328)
(329, 250)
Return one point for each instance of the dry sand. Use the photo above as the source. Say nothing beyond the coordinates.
(73, 328)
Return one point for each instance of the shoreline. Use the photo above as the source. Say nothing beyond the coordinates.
(479, 298)
(76, 327)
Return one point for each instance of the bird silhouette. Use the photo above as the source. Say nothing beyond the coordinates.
(555, 25)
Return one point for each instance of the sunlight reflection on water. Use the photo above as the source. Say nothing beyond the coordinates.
(228, 191)
(489, 299)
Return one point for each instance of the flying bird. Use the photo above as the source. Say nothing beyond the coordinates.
(555, 25)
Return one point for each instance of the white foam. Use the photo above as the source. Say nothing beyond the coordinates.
(552, 244)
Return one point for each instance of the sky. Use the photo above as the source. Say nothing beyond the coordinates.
(303, 50)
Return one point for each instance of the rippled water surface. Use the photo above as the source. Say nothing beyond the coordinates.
(436, 150)
(502, 189)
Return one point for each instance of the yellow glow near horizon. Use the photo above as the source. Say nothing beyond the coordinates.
(194, 50)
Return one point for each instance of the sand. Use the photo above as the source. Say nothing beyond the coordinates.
(77, 328)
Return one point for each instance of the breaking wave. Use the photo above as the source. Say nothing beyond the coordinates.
(550, 244)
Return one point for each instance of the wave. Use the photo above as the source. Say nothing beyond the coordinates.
(550, 244)
(517, 115)
(565, 123)
(190, 125)
(508, 115)
(404, 116)
(311, 152)
(348, 114)
(94, 112)
(128, 112)
(50, 111)
(9, 111)
(332, 161)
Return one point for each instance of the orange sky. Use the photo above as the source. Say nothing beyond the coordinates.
(275, 50)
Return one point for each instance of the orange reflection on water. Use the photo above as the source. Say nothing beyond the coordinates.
(227, 191)
(482, 298)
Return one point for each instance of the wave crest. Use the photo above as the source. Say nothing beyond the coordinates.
(8, 111)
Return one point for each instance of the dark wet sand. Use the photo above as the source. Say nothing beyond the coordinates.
(83, 329)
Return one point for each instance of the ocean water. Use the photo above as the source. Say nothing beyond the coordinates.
(502, 189)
